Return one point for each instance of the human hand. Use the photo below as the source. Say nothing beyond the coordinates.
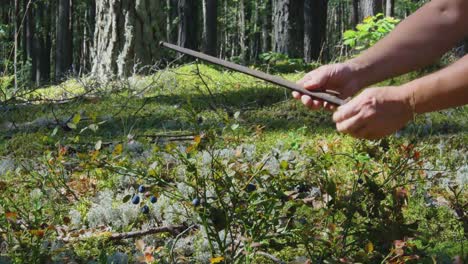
(375, 113)
(341, 77)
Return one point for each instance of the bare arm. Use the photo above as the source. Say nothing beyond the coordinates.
(440, 90)
(416, 42)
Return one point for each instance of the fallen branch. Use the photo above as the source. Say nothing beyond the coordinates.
(173, 229)
(271, 257)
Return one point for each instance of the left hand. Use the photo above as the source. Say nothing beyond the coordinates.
(375, 113)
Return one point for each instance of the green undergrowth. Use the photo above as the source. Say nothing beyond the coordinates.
(269, 175)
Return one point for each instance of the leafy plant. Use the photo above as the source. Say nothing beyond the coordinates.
(371, 30)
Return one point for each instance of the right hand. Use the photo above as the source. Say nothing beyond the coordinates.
(340, 77)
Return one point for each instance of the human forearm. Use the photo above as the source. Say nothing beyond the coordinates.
(416, 42)
(440, 90)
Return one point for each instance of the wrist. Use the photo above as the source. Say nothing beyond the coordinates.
(361, 72)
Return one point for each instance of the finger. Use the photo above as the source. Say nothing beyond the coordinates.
(350, 125)
(316, 80)
(346, 111)
(296, 95)
(362, 132)
(310, 103)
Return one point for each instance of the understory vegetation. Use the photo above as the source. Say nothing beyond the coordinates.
(196, 165)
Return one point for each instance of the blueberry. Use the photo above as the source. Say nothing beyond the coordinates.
(145, 209)
(141, 189)
(196, 202)
(360, 181)
(153, 199)
(136, 199)
(251, 187)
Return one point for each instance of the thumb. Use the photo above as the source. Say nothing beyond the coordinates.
(316, 80)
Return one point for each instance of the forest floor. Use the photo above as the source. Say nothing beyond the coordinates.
(239, 172)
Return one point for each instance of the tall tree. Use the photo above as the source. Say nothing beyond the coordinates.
(63, 52)
(16, 41)
(43, 42)
(315, 24)
(369, 8)
(127, 35)
(210, 26)
(188, 24)
(266, 24)
(242, 30)
(288, 27)
(281, 26)
(390, 8)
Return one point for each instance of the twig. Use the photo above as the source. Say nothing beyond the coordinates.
(173, 229)
(271, 257)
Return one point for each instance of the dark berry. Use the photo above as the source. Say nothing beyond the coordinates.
(145, 209)
(141, 188)
(196, 202)
(136, 199)
(153, 199)
(251, 187)
(360, 181)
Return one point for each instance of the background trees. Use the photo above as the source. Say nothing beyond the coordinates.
(113, 37)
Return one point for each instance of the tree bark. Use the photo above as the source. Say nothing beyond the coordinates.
(241, 30)
(126, 36)
(288, 27)
(188, 24)
(266, 25)
(254, 46)
(281, 26)
(390, 8)
(369, 8)
(16, 42)
(315, 24)
(63, 52)
(43, 43)
(210, 26)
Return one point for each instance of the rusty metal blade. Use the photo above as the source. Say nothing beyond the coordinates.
(255, 73)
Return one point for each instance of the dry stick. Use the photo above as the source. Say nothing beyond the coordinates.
(173, 229)
(271, 257)
(328, 97)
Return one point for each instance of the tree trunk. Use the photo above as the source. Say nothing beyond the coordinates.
(266, 25)
(369, 8)
(281, 26)
(126, 36)
(241, 32)
(354, 17)
(63, 55)
(210, 26)
(43, 43)
(256, 33)
(29, 37)
(390, 8)
(296, 28)
(16, 36)
(288, 27)
(315, 24)
(188, 24)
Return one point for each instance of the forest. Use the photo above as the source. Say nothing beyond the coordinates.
(114, 149)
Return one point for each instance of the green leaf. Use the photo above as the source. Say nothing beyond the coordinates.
(54, 132)
(71, 125)
(349, 34)
(126, 198)
(235, 126)
(76, 119)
